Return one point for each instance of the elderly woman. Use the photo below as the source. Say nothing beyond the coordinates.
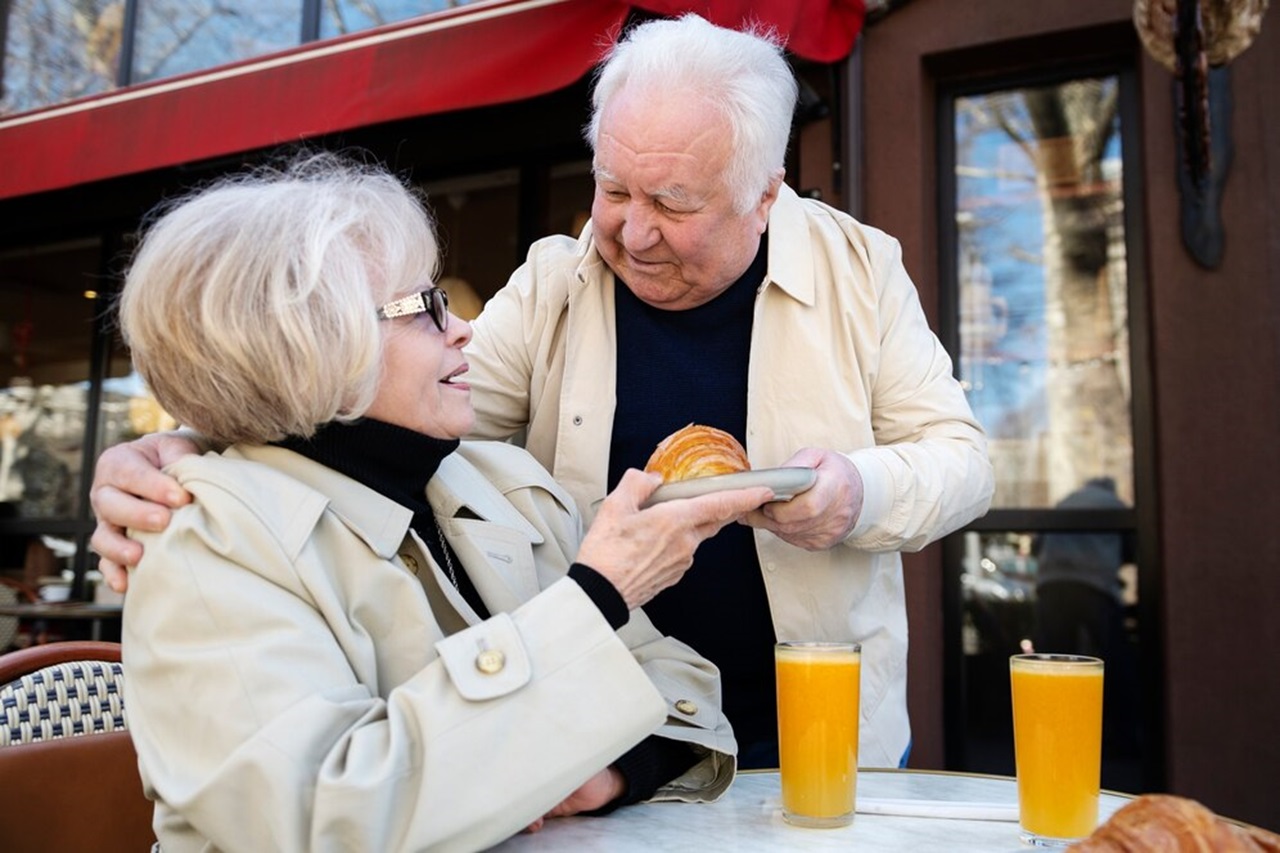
(362, 634)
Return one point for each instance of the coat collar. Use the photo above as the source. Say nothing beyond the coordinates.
(790, 252)
(486, 531)
(457, 489)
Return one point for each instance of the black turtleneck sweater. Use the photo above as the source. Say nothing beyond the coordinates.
(374, 454)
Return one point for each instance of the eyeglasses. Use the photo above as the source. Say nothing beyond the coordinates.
(433, 300)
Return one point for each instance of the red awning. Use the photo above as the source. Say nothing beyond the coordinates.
(821, 30)
(475, 55)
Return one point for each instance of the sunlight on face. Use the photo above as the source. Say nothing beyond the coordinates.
(422, 385)
(662, 217)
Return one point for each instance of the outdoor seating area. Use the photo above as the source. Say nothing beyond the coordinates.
(545, 425)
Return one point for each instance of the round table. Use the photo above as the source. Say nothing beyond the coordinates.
(749, 818)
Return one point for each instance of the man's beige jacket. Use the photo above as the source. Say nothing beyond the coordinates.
(301, 675)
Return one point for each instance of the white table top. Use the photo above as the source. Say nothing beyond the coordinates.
(749, 818)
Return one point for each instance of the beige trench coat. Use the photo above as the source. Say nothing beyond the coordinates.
(300, 675)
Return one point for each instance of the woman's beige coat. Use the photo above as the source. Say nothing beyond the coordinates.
(302, 676)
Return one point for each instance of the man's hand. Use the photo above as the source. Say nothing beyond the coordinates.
(644, 551)
(129, 490)
(600, 790)
(823, 515)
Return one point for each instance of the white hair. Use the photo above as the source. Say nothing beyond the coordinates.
(250, 305)
(745, 75)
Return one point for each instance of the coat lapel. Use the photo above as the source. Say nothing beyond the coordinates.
(490, 538)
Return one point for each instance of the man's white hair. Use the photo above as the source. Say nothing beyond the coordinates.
(744, 75)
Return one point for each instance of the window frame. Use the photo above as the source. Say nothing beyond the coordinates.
(1141, 520)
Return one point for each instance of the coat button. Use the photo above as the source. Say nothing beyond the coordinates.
(491, 661)
(687, 707)
(410, 562)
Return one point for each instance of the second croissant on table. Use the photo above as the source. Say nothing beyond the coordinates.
(697, 451)
(1163, 823)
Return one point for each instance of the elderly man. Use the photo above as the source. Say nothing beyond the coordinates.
(704, 289)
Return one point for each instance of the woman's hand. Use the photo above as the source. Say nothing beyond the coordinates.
(130, 491)
(644, 551)
(598, 791)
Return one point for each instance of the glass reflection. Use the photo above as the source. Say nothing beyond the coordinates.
(178, 36)
(1042, 286)
(46, 338)
(56, 51)
(340, 17)
(1069, 592)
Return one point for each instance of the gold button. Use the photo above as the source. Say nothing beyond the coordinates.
(411, 562)
(491, 661)
(687, 707)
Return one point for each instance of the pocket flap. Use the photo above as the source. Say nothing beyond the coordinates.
(486, 660)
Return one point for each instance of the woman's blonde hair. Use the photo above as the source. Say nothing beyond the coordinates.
(250, 305)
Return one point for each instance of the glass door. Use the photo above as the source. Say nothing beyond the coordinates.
(1038, 286)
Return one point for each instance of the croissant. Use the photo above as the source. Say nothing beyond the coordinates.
(697, 451)
(1163, 823)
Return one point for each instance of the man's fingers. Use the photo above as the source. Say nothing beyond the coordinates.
(119, 509)
(110, 543)
(114, 575)
(136, 471)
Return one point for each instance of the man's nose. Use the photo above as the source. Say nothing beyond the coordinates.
(640, 228)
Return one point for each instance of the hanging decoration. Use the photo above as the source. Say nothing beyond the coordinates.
(1196, 39)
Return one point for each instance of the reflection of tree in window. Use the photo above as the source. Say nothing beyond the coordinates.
(1043, 307)
(338, 17)
(56, 50)
(178, 36)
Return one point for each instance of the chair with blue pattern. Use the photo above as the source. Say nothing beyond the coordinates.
(69, 768)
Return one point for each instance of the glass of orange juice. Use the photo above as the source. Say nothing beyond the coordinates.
(1057, 744)
(818, 731)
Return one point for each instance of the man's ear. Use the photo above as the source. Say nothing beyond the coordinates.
(769, 196)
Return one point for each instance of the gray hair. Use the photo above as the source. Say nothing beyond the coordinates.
(743, 74)
(250, 305)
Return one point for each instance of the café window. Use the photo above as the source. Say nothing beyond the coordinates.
(55, 51)
(1037, 241)
(178, 36)
(339, 17)
(51, 298)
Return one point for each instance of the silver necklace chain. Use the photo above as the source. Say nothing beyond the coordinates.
(444, 549)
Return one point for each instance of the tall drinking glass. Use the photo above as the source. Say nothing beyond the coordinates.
(1057, 743)
(818, 731)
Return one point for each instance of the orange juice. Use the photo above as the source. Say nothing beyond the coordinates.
(818, 731)
(1057, 739)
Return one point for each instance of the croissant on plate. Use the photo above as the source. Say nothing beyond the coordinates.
(1163, 823)
(697, 451)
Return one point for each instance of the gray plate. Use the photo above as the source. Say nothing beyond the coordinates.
(785, 482)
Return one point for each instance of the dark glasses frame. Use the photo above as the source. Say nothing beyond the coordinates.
(433, 301)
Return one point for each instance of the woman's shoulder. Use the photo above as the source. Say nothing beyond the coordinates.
(233, 483)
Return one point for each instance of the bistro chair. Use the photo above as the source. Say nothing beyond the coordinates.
(69, 770)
